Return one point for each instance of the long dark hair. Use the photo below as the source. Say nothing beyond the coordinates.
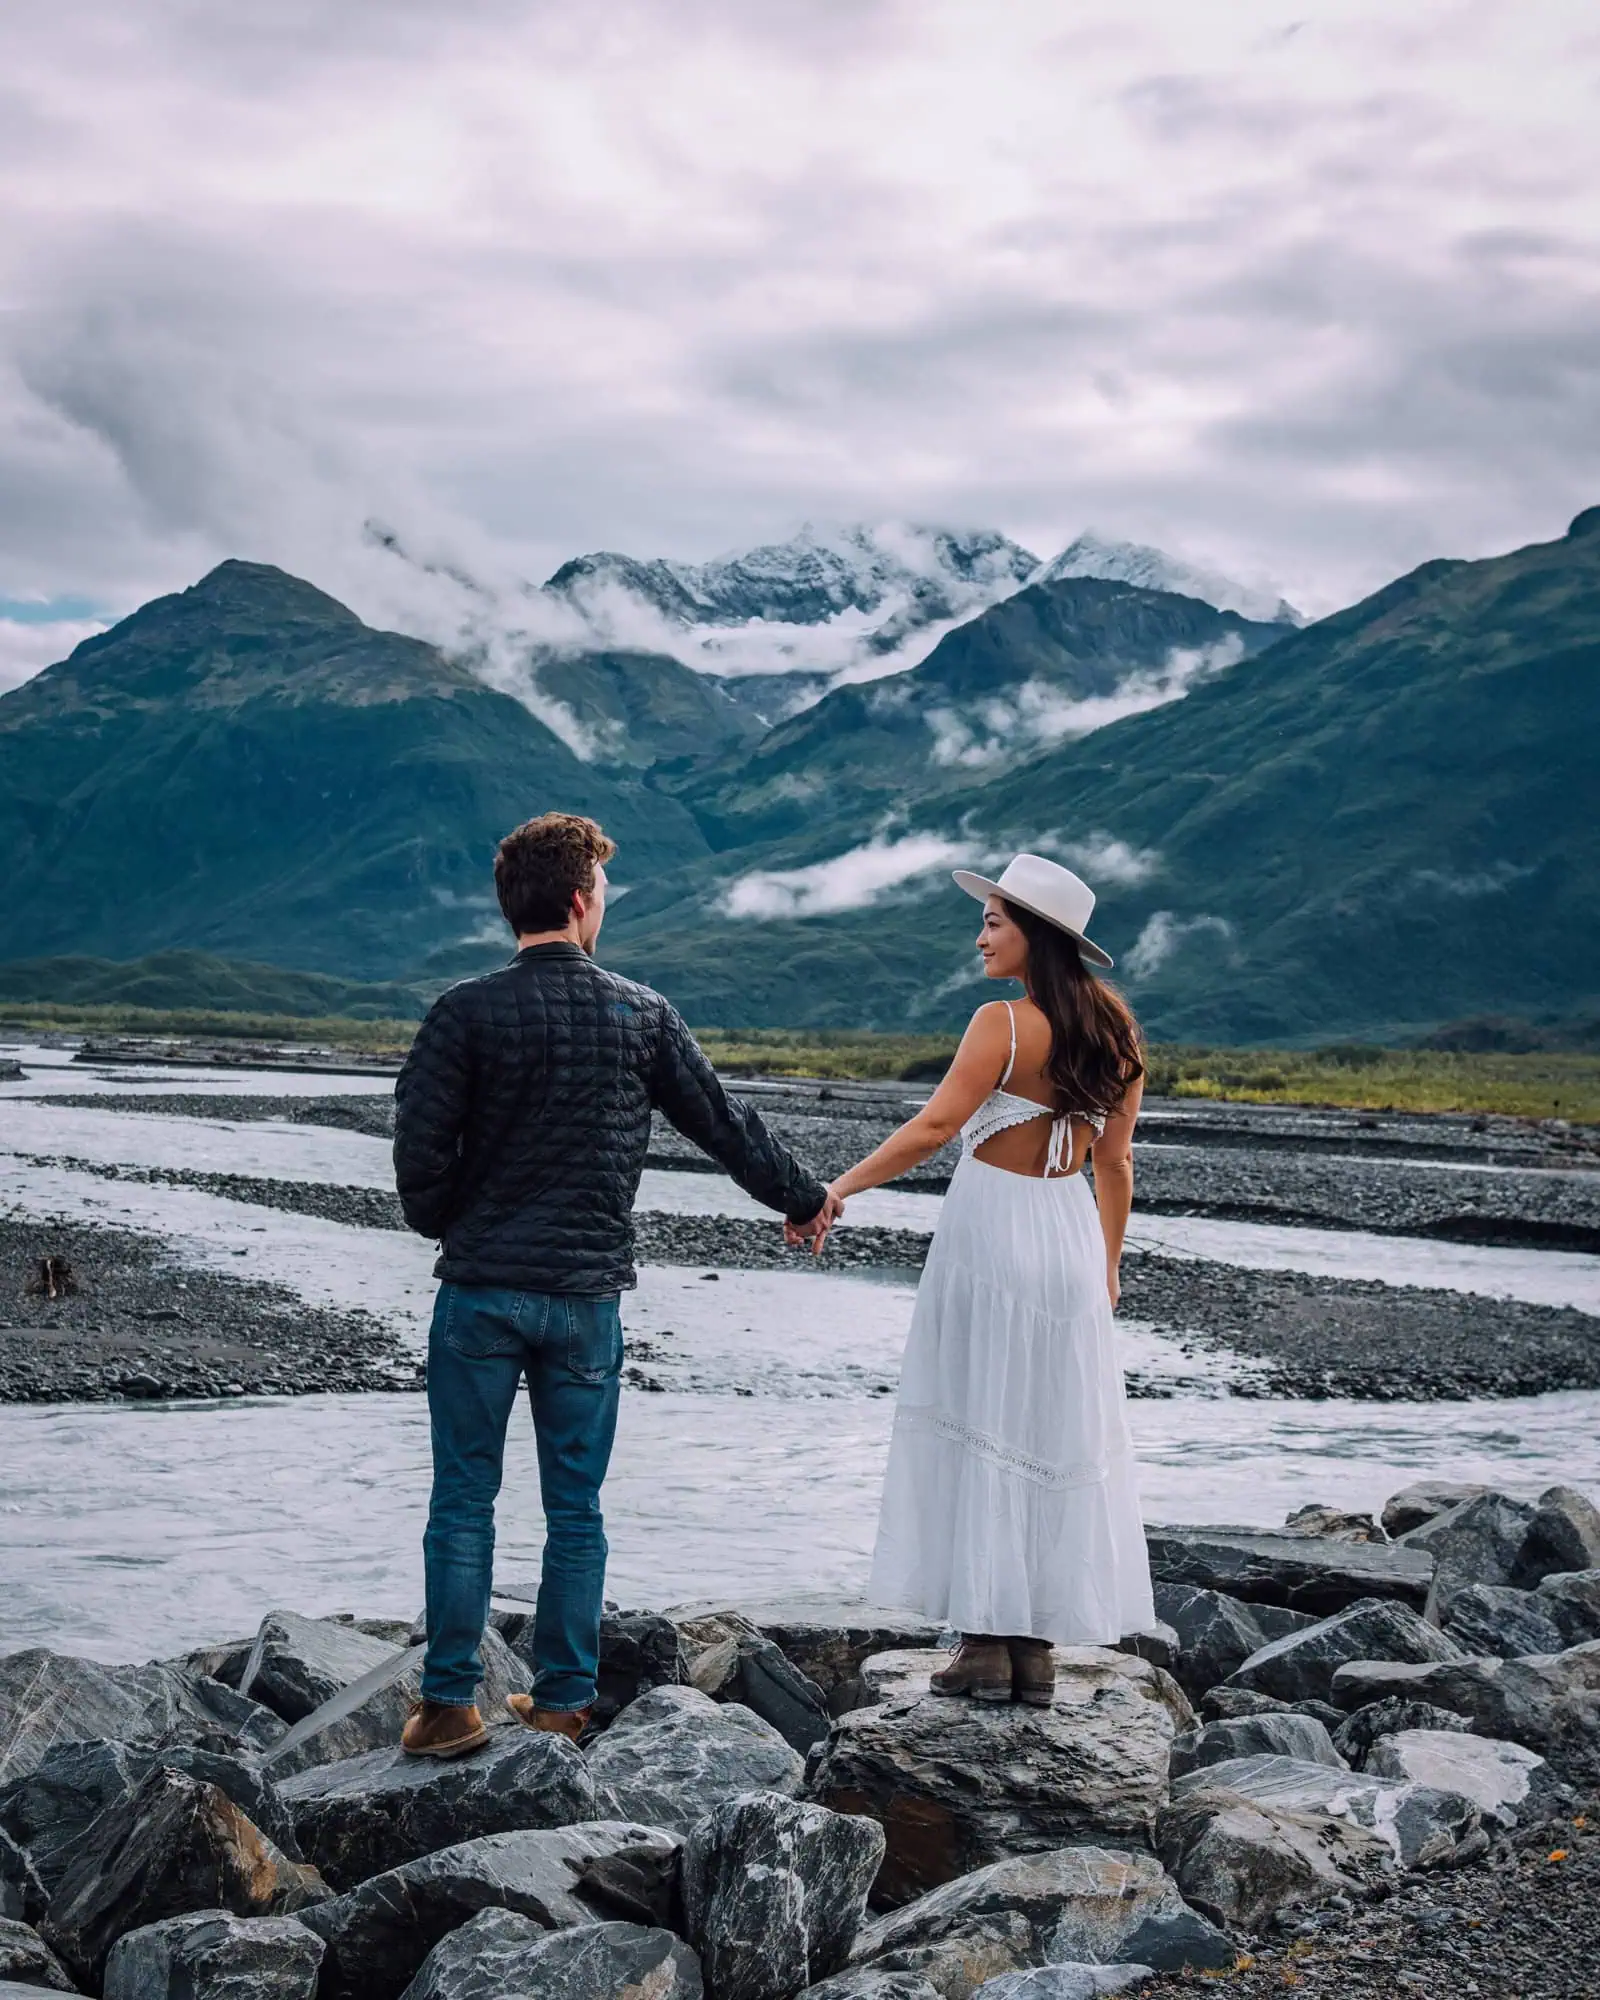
(1096, 1049)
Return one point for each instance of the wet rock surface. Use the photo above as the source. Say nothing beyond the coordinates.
(1495, 1619)
(488, 1960)
(1273, 1735)
(176, 1846)
(958, 1784)
(146, 1325)
(1216, 1633)
(212, 1955)
(675, 1754)
(366, 1814)
(774, 1893)
(379, 1933)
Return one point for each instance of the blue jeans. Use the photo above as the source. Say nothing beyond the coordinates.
(483, 1342)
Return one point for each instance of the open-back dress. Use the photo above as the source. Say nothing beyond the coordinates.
(1010, 1506)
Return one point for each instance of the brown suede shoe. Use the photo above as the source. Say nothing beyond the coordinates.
(557, 1721)
(440, 1729)
(1033, 1671)
(979, 1666)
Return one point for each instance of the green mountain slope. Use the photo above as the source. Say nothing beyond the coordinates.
(1386, 820)
(1050, 662)
(247, 769)
(197, 979)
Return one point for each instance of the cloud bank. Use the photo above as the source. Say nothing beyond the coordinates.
(1306, 295)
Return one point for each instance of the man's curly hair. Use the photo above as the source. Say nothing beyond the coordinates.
(540, 865)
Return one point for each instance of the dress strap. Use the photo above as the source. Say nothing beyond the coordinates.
(1055, 1161)
(1012, 1062)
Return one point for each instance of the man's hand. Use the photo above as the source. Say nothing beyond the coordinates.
(815, 1232)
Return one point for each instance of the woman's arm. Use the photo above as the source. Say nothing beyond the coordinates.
(976, 1070)
(1112, 1153)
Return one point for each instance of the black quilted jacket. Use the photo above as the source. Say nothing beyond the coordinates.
(522, 1116)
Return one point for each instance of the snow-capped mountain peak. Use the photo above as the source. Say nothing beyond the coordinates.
(1153, 569)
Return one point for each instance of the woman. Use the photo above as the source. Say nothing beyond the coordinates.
(1010, 1507)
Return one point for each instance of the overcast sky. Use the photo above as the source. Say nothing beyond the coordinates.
(1310, 291)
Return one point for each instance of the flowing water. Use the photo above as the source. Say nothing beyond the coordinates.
(129, 1530)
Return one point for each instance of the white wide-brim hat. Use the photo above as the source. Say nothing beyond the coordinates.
(1049, 891)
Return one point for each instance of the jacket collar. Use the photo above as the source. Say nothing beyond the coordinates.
(558, 948)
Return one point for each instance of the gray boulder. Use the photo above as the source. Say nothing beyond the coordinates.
(1492, 1619)
(899, 1677)
(1563, 1535)
(674, 1754)
(866, 1982)
(1240, 1861)
(370, 1712)
(728, 1659)
(1216, 1634)
(1572, 1599)
(956, 1784)
(1285, 1735)
(826, 1637)
(1334, 1524)
(1357, 1733)
(774, 1893)
(365, 1814)
(1421, 1827)
(1229, 1704)
(1157, 1643)
(1301, 1667)
(46, 1811)
(639, 1650)
(379, 1933)
(1066, 1982)
(51, 1698)
(1302, 1572)
(499, 1954)
(1477, 1542)
(1415, 1506)
(211, 1955)
(1549, 1702)
(1497, 1777)
(1077, 1904)
(26, 1960)
(175, 1846)
(298, 1663)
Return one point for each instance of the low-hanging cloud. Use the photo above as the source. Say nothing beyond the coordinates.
(1038, 713)
(848, 881)
(1104, 860)
(1166, 933)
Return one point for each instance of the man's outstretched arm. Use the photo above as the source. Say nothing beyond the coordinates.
(689, 1091)
(430, 1115)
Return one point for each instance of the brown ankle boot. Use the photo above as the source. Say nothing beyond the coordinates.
(442, 1729)
(557, 1721)
(1033, 1671)
(979, 1666)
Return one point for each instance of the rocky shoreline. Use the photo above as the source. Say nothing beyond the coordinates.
(140, 1324)
(1336, 1763)
(1303, 1335)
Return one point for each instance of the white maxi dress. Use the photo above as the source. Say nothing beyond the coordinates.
(1010, 1505)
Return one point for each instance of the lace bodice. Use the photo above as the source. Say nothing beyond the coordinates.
(1003, 1108)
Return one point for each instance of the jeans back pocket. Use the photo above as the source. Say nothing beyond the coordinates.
(594, 1337)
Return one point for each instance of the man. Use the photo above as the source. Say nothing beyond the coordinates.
(522, 1117)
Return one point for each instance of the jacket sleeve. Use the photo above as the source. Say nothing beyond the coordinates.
(689, 1091)
(431, 1097)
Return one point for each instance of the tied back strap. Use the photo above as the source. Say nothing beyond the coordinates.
(1055, 1160)
(1011, 1060)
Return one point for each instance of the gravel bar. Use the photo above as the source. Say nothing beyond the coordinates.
(1312, 1337)
(1512, 1184)
(142, 1324)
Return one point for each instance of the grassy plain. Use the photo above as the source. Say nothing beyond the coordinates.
(1357, 1076)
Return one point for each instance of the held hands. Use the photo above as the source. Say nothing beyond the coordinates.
(1113, 1282)
(815, 1232)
